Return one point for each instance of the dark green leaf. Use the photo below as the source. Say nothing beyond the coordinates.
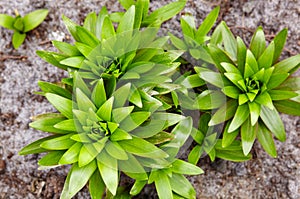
(228, 138)
(266, 140)
(219, 56)
(160, 138)
(279, 41)
(35, 147)
(266, 59)
(195, 154)
(241, 52)
(282, 94)
(287, 65)
(288, 107)
(96, 185)
(272, 120)
(86, 37)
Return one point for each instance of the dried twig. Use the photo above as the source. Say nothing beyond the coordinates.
(5, 57)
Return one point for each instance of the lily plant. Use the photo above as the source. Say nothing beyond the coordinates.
(21, 25)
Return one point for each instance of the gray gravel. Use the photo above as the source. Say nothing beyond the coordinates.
(262, 177)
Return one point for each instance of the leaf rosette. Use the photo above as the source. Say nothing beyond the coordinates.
(256, 85)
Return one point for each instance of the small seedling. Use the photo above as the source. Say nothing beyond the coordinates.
(21, 25)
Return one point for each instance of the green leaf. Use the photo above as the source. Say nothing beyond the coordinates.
(137, 172)
(51, 57)
(7, 21)
(266, 59)
(291, 84)
(55, 89)
(127, 21)
(230, 44)
(140, 147)
(51, 159)
(272, 120)
(248, 135)
(163, 186)
(72, 184)
(224, 113)
(67, 125)
(160, 138)
(254, 112)
(87, 154)
(108, 29)
(105, 111)
(211, 77)
(251, 61)
(287, 65)
(288, 107)
(150, 128)
(58, 143)
(96, 185)
(182, 186)
(241, 53)
(115, 151)
(134, 120)
(90, 21)
(266, 140)
(74, 62)
(210, 100)
(258, 43)
(219, 56)
(233, 155)
(34, 147)
(164, 13)
(265, 99)
(86, 37)
(71, 26)
(119, 114)
(108, 168)
(182, 167)
(195, 154)
(83, 102)
(242, 113)
(137, 187)
(66, 48)
(121, 95)
(62, 104)
(18, 39)
(228, 138)
(282, 94)
(182, 131)
(178, 43)
(99, 94)
(71, 155)
(208, 22)
(279, 42)
(33, 19)
(47, 123)
(276, 80)
(231, 91)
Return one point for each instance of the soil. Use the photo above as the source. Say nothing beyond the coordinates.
(261, 177)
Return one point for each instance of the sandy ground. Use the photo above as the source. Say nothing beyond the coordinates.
(262, 177)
